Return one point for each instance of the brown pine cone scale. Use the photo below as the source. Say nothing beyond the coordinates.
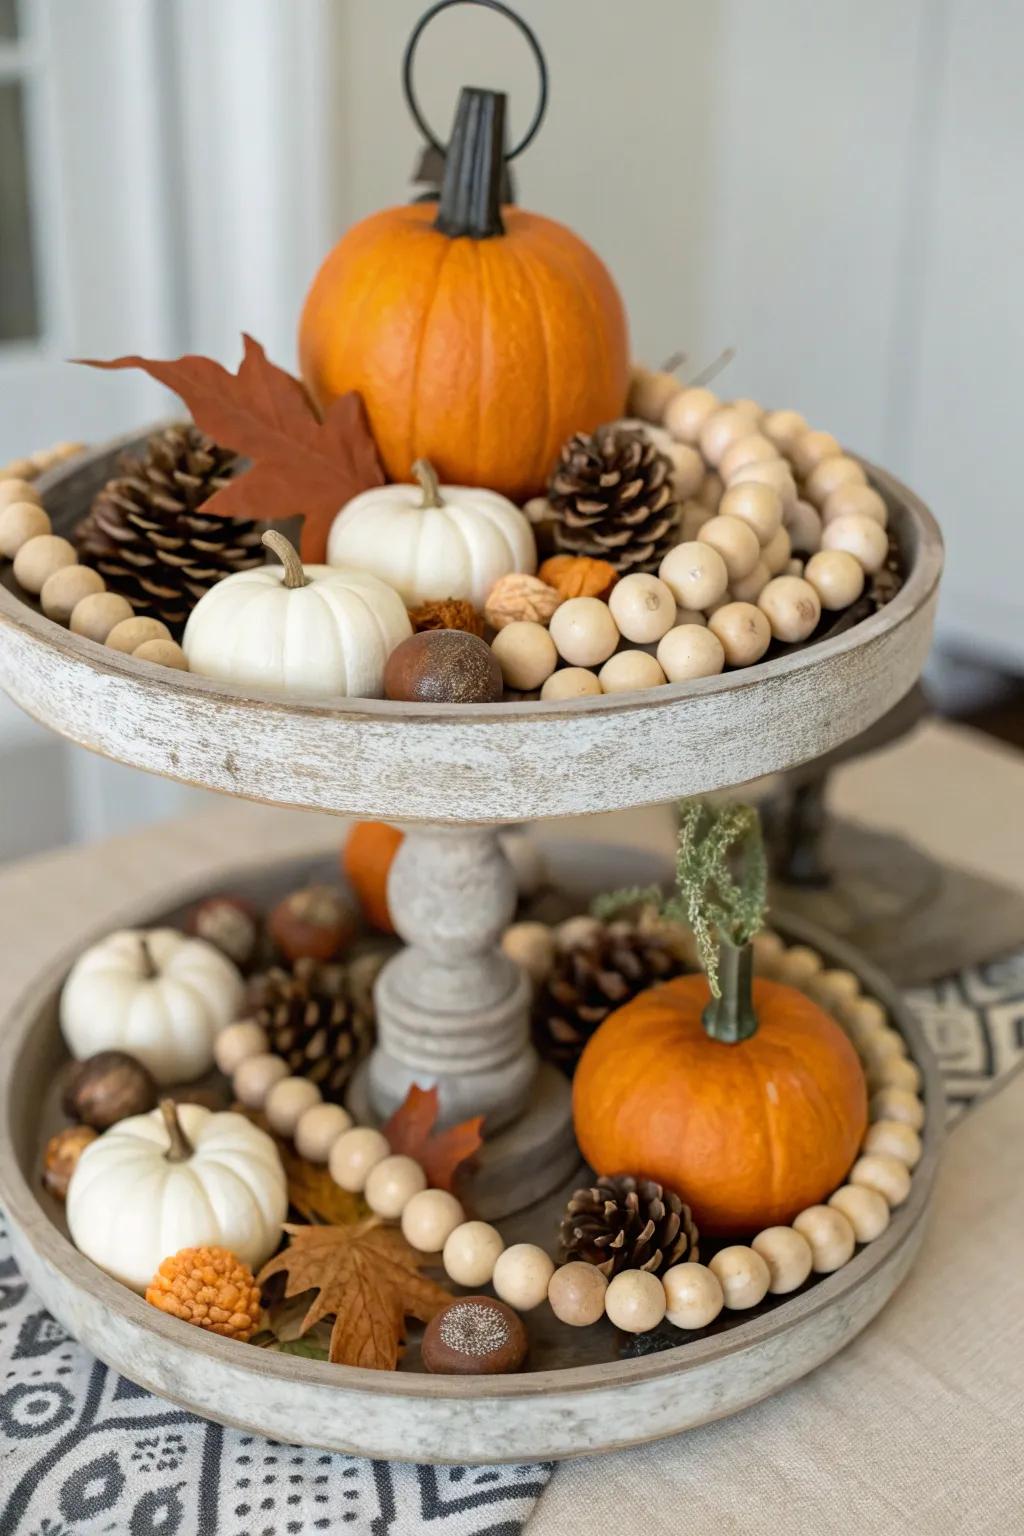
(318, 1017)
(612, 497)
(626, 1223)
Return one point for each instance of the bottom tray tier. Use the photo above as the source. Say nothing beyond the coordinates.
(586, 1390)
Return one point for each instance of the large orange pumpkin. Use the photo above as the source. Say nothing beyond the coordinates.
(479, 337)
(749, 1133)
(366, 857)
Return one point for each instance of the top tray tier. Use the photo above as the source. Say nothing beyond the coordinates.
(479, 762)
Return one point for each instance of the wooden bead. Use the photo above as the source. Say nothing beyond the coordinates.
(650, 392)
(696, 574)
(391, 1184)
(354, 1155)
(803, 525)
(788, 1256)
(759, 506)
(749, 589)
(721, 429)
(854, 500)
(521, 1276)
(783, 428)
(744, 632)
(883, 1172)
(830, 1235)
(131, 633)
(693, 518)
(687, 469)
(833, 988)
(237, 1042)
(471, 1252)
(735, 541)
(752, 408)
(860, 537)
(768, 952)
(693, 1295)
(19, 469)
(526, 653)
(38, 559)
(897, 1104)
(255, 1076)
(635, 1301)
(65, 589)
(865, 1210)
(583, 631)
(895, 1138)
(881, 1045)
(829, 474)
(287, 1101)
(711, 490)
(94, 617)
(430, 1218)
(583, 929)
(895, 1072)
(791, 607)
(531, 946)
(571, 683)
(776, 552)
(836, 576)
(773, 472)
(798, 964)
(743, 1275)
(689, 651)
(317, 1130)
(162, 653)
(19, 522)
(687, 412)
(794, 568)
(808, 451)
(690, 616)
(644, 608)
(752, 449)
(862, 1016)
(17, 489)
(629, 671)
(576, 1293)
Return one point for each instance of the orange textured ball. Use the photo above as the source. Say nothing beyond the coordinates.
(210, 1288)
(366, 859)
(749, 1134)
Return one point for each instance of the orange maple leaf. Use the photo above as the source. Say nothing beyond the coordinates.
(442, 1154)
(301, 464)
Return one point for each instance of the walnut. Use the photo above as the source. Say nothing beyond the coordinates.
(447, 613)
(520, 597)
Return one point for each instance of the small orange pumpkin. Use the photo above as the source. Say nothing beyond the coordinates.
(366, 860)
(479, 337)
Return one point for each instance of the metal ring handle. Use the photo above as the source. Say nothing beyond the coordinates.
(535, 48)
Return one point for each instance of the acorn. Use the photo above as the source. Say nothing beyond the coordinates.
(312, 924)
(230, 924)
(106, 1088)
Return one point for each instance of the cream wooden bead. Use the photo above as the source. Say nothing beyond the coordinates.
(783, 428)
(836, 576)
(526, 654)
(711, 491)
(743, 1275)
(353, 1156)
(687, 469)
(834, 988)
(897, 1104)
(865, 1210)
(693, 1295)
(694, 516)
(582, 929)
(759, 506)
(64, 590)
(690, 651)
(288, 1101)
(131, 633)
(696, 574)
(725, 427)
(735, 541)
(21, 468)
(830, 1235)
(584, 632)
(880, 1046)
(521, 1276)
(576, 1293)
(773, 472)
(571, 683)
(650, 392)
(19, 522)
(768, 952)
(630, 671)
(752, 449)
(94, 617)
(895, 1138)
(317, 1130)
(882, 1172)
(752, 408)
(788, 1256)
(798, 964)
(430, 1218)
(391, 1184)
(855, 500)
(860, 537)
(471, 1252)
(687, 412)
(803, 525)
(255, 1076)
(794, 568)
(689, 616)
(643, 606)
(235, 1043)
(532, 947)
(162, 653)
(862, 1016)
(16, 489)
(808, 451)
(38, 559)
(635, 1301)
(895, 1072)
(749, 588)
(829, 474)
(744, 632)
(776, 552)
(791, 607)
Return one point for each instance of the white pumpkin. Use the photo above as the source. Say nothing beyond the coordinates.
(304, 631)
(180, 1177)
(431, 542)
(156, 994)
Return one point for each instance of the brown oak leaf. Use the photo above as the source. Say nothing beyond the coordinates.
(441, 1154)
(301, 465)
(367, 1277)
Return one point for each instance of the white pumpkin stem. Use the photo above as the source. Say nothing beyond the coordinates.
(180, 1149)
(426, 474)
(149, 965)
(294, 574)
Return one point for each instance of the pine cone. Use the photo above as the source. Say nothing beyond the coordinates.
(319, 1017)
(147, 537)
(597, 968)
(612, 497)
(626, 1223)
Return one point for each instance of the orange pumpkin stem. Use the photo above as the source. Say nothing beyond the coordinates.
(731, 1017)
(429, 484)
(470, 201)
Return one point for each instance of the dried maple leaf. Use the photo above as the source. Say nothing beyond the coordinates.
(367, 1277)
(441, 1153)
(301, 465)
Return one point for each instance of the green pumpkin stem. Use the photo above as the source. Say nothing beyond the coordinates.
(474, 164)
